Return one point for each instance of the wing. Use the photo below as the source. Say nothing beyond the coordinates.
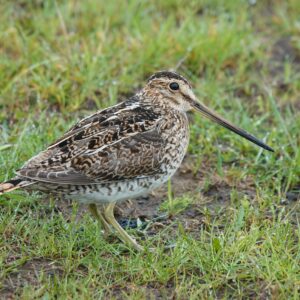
(119, 143)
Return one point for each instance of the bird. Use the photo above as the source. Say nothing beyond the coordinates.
(121, 152)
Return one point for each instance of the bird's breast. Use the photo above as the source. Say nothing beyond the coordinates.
(175, 132)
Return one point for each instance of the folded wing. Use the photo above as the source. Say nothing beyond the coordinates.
(121, 143)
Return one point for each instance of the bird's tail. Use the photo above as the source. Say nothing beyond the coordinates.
(13, 184)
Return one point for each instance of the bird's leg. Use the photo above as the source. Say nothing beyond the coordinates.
(123, 235)
(100, 218)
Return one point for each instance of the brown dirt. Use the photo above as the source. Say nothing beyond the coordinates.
(27, 274)
(283, 50)
(149, 291)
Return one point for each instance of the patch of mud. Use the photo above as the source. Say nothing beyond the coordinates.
(283, 50)
(293, 196)
(279, 52)
(149, 291)
(27, 274)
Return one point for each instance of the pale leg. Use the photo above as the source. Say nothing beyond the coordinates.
(100, 218)
(122, 234)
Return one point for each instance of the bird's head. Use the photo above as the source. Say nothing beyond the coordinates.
(176, 92)
(173, 90)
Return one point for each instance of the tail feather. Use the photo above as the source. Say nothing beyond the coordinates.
(13, 184)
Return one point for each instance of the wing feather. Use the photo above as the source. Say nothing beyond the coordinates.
(117, 144)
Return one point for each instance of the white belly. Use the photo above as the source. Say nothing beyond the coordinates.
(119, 191)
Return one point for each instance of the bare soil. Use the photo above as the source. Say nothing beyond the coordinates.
(28, 274)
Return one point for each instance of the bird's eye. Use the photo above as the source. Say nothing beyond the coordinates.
(174, 86)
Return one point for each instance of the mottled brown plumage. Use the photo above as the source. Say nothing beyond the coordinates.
(120, 152)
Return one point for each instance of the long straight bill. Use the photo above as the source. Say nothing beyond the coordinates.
(218, 119)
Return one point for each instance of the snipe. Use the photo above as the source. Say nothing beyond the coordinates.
(120, 152)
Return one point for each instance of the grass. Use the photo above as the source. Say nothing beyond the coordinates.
(235, 223)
